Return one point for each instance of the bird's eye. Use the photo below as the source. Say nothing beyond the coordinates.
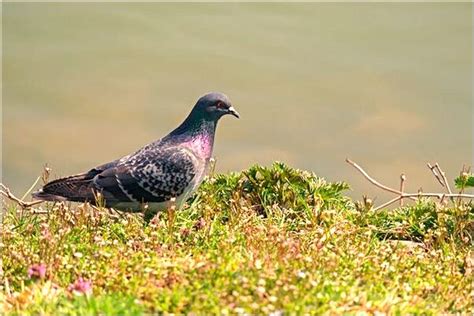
(220, 105)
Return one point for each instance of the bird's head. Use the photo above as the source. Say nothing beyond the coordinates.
(213, 106)
(205, 114)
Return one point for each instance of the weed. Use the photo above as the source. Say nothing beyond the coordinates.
(266, 240)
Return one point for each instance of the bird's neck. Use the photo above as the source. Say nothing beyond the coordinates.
(193, 125)
(198, 134)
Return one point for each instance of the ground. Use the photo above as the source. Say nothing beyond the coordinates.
(266, 240)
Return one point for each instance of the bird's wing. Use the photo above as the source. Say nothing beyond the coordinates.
(73, 188)
(148, 176)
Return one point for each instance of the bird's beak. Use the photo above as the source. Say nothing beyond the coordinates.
(233, 112)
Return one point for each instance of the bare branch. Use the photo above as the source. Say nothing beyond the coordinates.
(441, 201)
(398, 198)
(372, 180)
(445, 180)
(437, 172)
(438, 195)
(9, 195)
(440, 175)
(402, 186)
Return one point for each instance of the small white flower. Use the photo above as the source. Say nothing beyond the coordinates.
(301, 274)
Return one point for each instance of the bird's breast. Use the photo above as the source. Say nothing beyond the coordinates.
(201, 146)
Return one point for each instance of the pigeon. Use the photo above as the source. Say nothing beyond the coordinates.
(169, 169)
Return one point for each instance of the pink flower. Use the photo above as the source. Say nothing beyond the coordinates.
(201, 223)
(37, 271)
(81, 286)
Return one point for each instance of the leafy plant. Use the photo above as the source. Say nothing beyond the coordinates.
(465, 180)
(266, 240)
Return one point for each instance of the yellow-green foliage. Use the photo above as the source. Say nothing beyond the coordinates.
(261, 241)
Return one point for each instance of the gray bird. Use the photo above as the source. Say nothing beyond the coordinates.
(169, 168)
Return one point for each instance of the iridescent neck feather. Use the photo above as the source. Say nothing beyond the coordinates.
(197, 134)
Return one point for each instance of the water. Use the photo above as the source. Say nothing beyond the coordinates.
(386, 84)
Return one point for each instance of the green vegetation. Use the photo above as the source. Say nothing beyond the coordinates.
(261, 241)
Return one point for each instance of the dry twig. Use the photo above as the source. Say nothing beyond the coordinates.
(9, 195)
(372, 180)
(402, 186)
(440, 175)
(437, 172)
(445, 180)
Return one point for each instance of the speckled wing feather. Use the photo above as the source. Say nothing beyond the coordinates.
(150, 175)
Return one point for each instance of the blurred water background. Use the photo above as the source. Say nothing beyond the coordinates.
(386, 84)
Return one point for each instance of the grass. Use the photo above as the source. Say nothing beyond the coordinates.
(266, 240)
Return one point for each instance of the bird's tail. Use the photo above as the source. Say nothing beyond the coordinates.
(76, 188)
